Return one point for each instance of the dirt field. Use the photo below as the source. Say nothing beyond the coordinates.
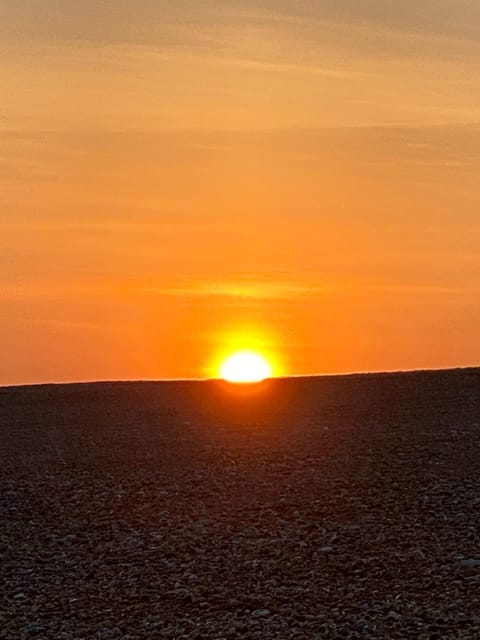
(343, 507)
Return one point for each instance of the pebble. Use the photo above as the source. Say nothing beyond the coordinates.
(470, 563)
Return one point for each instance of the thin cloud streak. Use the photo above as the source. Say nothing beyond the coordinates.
(257, 290)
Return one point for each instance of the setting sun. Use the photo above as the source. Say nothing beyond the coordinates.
(245, 367)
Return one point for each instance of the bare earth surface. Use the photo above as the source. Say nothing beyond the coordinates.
(341, 507)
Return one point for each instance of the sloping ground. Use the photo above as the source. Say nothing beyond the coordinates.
(307, 508)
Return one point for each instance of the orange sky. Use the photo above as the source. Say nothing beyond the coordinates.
(179, 181)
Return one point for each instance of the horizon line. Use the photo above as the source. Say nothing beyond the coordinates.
(344, 374)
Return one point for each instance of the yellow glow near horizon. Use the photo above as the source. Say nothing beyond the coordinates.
(245, 367)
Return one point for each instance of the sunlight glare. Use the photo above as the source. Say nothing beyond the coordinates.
(245, 367)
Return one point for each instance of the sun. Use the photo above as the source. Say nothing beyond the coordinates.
(245, 367)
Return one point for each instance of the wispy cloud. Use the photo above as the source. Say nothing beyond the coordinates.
(450, 18)
(261, 290)
(252, 289)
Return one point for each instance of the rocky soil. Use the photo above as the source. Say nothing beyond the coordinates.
(313, 508)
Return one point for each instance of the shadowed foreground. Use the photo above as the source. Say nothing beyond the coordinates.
(307, 508)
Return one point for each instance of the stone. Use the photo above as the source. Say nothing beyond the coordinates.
(260, 613)
(469, 563)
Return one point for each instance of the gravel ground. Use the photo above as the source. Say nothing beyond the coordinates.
(344, 507)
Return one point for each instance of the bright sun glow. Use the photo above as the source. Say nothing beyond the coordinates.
(245, 366)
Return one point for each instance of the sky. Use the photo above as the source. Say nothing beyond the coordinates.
(181, 180)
